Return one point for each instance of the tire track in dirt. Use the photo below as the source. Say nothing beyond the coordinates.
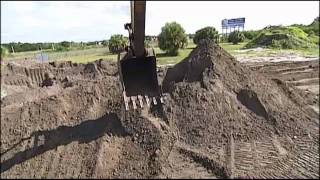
(258, 159)
(300, 165)
(250, 157)
(185, 163)
(302, 75)
(289, 71)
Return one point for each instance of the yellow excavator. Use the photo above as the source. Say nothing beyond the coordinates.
(137, 65)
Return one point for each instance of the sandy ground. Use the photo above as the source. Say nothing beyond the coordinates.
(221, 119)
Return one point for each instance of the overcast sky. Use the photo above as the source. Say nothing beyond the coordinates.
(46, 21)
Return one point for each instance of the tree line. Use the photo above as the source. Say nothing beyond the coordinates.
(171, 39)
(60, 46)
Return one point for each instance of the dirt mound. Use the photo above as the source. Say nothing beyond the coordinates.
(219, 120)
(231, 96)
(282, 37)
(75, 121)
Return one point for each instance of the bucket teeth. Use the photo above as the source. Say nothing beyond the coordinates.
(133, 99)
(126, 100)
(140, 101)
(161, 100)
(154, 101)
(147, 100)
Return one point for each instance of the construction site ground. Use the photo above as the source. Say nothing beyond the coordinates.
(221, 118)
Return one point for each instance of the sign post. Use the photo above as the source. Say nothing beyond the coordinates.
(42, 57)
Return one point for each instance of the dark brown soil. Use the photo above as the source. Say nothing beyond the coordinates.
(220, 119)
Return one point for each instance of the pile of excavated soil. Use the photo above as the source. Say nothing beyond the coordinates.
(213, 95)
(219, 120)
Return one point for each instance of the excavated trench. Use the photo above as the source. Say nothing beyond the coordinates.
(250, 100)
(219, 120)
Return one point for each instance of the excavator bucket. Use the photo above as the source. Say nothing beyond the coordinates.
(137, 66)
(139, 81)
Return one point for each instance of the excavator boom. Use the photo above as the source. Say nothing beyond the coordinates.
(137, 66)
(138, 14)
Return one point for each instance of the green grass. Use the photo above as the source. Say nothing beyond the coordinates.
(232, 47)
(163, 59)
(284, 37)
(64, 55)
(93, 57)
(89, 55)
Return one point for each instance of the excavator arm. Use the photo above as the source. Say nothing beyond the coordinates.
(137, 66)
(138, 14)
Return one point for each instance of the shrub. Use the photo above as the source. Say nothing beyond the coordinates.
(117, 43)
(147, 43)
(105, 43)
(224, 39)
(65, 44)
(4, 52)
(206, 33)
(235, 37)
(291, 37)
(171, 38)
(250, 34)
(60, 48)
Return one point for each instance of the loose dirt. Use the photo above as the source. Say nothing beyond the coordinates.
(220, 119)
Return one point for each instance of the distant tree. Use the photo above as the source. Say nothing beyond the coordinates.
(171, 38)
(117, 43)
(147, 43)
(235, 37)
(105, 43)
(191, 36)
(206, 33)
(148, 38)
(65, 44)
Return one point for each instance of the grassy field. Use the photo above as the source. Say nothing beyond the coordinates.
(92, 57)
(163, 59)
(89, 55)
(73, 55)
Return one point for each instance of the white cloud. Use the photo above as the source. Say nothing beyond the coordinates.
(36, 21)
(193, 15)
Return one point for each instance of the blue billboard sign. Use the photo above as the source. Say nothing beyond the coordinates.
(233, 22)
